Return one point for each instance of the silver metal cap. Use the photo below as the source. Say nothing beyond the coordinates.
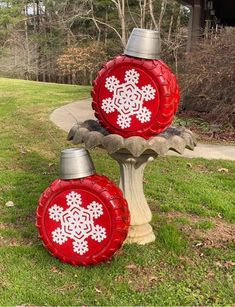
(143, 43)
(75, 163)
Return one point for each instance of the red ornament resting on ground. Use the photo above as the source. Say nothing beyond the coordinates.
(83, 221)
(135, 97)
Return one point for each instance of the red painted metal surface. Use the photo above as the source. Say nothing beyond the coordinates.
(135, 97)
(83, 221)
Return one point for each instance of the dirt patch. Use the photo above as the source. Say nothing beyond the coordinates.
(11, 241)
(221, 234)
(175, 215)
(14, 242)
(140, 278)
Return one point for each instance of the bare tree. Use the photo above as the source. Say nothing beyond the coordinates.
(162, 12)
(120, 5)
(20, 57)
(142, 6)
(171, 23)
(95, 22)
(152, 14)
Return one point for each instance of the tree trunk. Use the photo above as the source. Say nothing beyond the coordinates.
(142, 13)
(27, 53)
(120, 5)
(123, 22)
(105, 29)
(152, 14)
(163, 9)
(96, 24)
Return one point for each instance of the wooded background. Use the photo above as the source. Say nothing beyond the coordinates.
(67, 40)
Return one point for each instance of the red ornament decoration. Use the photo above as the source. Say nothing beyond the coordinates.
(83, 221)
(135, 97)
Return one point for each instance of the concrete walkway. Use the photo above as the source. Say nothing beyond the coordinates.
(66, 116)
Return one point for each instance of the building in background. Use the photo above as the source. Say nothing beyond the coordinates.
(207, 14)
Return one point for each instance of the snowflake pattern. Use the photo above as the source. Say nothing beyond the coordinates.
(111, 83)
(124, 121)
(77, 223)
(107, 105)
(148, 92)
(144, 115)
(128, 99)
(55, 213)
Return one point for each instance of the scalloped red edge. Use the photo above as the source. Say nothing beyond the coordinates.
(168, 90)
(102, 186)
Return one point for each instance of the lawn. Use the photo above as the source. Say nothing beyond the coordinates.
(193, 204)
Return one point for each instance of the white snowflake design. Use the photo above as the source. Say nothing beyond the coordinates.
(128, 99)
(77, 223)
(144, 115)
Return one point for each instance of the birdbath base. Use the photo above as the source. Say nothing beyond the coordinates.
(131, 183)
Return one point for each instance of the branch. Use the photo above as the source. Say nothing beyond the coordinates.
(116, 2)
(95, 22)
(128, 6)
(103, 23)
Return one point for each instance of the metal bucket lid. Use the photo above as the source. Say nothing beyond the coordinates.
(143, 43)
(75, 163)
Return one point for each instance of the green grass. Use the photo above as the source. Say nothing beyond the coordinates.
(205, 225)
(169, 271)
(172, 239)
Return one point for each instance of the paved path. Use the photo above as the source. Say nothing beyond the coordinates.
(66, 116)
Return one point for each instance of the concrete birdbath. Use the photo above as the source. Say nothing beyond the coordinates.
(132, 155)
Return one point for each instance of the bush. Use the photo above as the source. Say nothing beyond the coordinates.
(208, 78)
(80, 64)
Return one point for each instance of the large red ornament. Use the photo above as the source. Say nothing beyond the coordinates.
(135, 97)
(83, 221)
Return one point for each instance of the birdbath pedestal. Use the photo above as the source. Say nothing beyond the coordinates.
(132, 155)
(131, 183)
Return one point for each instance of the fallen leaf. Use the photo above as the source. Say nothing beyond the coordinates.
(98, 290)
(228, 264)
(152, 278)
(210, 274)
(9, 204)
(131, 266)
(198, 244)
(223, 170)
(218, 264)
(54, 269)
(119, 278)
